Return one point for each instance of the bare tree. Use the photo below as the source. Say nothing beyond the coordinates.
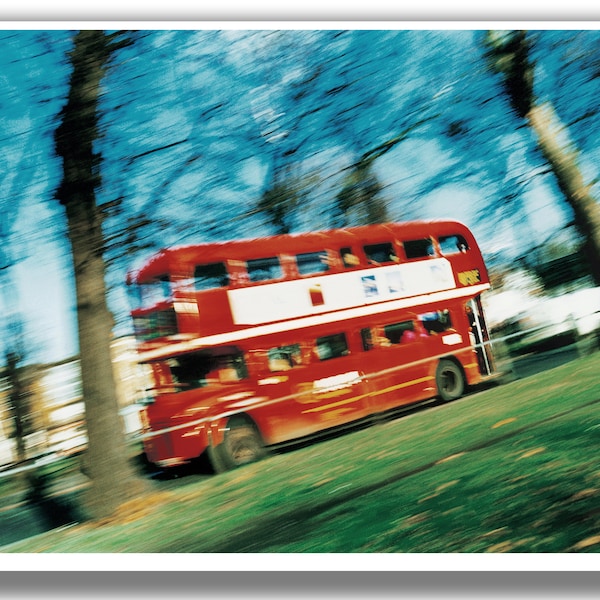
(19, 405)
(113, 479)
(13, 335)
(359, 201)
(509, 55)
(280, 200)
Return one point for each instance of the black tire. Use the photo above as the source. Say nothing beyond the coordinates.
(242, 444)
(449, 380)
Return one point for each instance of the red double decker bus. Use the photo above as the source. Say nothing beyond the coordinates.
(255, 343)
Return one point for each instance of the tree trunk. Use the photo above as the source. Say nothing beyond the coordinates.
(562, 158)
(509, 54)
(107, 463)
(18, 400)
(20, 406)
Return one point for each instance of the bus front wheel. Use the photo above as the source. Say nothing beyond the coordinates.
(449, 380)
(242, 444)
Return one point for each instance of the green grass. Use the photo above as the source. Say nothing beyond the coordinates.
(511, 469)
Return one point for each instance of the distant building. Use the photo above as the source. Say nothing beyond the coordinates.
(58, 410)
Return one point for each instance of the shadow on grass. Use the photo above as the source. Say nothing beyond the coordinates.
(54, 510)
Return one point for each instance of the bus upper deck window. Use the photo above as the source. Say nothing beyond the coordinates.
(263, 269)
(418, 248)
(453, 244)
(349, 258)
(380, 253)
(209, 276)
(312, 262)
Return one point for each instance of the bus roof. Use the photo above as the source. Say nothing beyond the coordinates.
(168, 260)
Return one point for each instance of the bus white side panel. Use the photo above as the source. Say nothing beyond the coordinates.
(314, 295)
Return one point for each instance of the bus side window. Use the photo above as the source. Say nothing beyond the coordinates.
(398, 333)
(349, 259)
(284, 358)
(209, 276)
(366, 337)
(263, 269)
(418, 248)
(453, 244)
(154, 291)
(332, 346)
(310, 263)
(227, 368)
(436, 322)
(189, 371)
(380, 253)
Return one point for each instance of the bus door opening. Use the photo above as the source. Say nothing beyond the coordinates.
(479, 335)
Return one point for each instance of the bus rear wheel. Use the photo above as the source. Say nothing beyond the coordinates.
(449, 380)
(242, 444)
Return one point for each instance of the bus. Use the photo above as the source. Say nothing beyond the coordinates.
(256, 343)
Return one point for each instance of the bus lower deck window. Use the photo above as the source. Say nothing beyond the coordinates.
(395, 332)
(284, 358)
(332, 346)
(190, 371)
(366, 337)
(437, 321)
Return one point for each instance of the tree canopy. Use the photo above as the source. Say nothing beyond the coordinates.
(198, 127)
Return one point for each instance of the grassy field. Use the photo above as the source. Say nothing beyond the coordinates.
(510, 469)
